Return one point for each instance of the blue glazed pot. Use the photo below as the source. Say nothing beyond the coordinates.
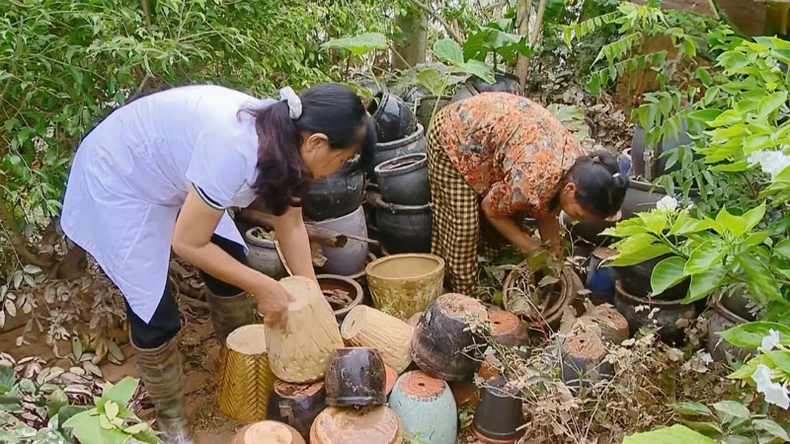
(601, 280)
(426, 407)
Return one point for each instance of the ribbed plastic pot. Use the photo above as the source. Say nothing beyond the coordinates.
(426, 408)
(350, 258)
(404, 180)
(411, 144)
(404, 228)
(661, 313)
(394, 118)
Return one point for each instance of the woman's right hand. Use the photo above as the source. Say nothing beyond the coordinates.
(273, 301)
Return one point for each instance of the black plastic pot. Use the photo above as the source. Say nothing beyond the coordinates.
(737, 301)
(413, 144)
(404, 228)
(505, 82)
(635, 280)
(394, 117)
(414, 94)
(375, 88)
(499, 413)
(658, 168)
(722, 319)
(464, 93)
(404, 180)
(296, 404)
(663, 314)
(336, 196)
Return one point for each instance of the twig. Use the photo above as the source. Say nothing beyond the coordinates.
(450, 30)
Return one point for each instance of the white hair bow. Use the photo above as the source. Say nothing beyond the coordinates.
(288, 95)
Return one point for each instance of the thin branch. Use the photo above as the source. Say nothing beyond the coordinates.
(450, 30)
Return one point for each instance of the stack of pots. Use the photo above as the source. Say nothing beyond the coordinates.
(403, 210)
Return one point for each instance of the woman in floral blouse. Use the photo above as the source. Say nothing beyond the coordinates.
(503, 155)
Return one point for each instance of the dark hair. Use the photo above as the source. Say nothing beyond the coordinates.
(330, 109)
(600, 188)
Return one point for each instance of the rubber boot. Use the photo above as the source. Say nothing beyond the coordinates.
(230, 313)
(162, 374)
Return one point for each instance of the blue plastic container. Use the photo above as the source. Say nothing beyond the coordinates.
(601, 280)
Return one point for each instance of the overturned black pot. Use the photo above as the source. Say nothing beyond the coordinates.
(635, 280)
(337, 195)
(355, 377)
(296, 404)
(414, 143)
(404, 228)
(663, 314)
(404, 180)
(394, 117)
(499, 415)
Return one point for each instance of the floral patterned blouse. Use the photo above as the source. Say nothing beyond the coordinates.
(509, 149)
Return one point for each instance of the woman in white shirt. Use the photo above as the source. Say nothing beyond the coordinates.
(161, 171)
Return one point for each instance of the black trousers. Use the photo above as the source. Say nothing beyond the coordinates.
(166, 322)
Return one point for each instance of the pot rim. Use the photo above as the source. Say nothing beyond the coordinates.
(257, 242)
(642, 185)
(318, 223)
(420, 160)
(354, 284)
(618, 289)
(440, 264)
(403, 209)
(386, 146)
(553, 311)
(729, 315)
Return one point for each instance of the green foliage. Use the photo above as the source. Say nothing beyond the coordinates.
(498, 39)
(677, 434)
(360, 44)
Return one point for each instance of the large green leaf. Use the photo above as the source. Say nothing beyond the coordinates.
(449, 51)
(762, 283)
(704, 257)
(751, 334)
(119, 393)
(771, 103)
(781, 359)
(479, 69)
(639, 256)
(752, 218)
(359, 44)
(732, 408)
(431, 79)
(783, 248)
(677, 434)
(691, 408)
(704, 283)
(772, 428)
(666, 274)
(7, 379)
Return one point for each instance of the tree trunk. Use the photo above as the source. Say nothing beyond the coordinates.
(411, 49)
(522, 13)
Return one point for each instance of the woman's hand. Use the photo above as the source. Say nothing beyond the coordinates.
(273, 301)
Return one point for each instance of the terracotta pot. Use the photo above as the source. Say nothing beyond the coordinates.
(411, 144)
(392, 378)
(635, 280)
(404, 284)
(722, 319)
(666, 317)
(356, 378)
(297, 404)
(551, 307)
(488, 369)
(426, 408)
(394, 118)
(301, 353)
(583, 358)
(263, 255)
(268, 432)
(612, 325)
(350, 258)
(333, 282)
(464, 392)
(508, 328)
(404, 180)
(404, 228)
(443, 345)
(337, 195)
(368, 327)
(369, 425)
(600, 280)
(499, 413)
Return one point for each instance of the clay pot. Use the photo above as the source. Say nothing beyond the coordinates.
(301, 353)
(356, 377)
(508, 328)
(426, 408)
(443, 345)
(425, 106)
(411, 144)
(404, 228)
(583, 358)
(612, 325)
(268, 432)
(391, 377)
(737, 300)
(499, 413)
(335, 196)
(600, 280)
(368, 327)
(356, 426)
(333, 282)
(722, 319)
(404, 180)
(666, 318)
(297, 404)
(560, 295)
(488, 369)
(414, 319)
(464, 392)
(263, 254)
(350, 258)
(635, 280)
(394, 118)
(403, 284)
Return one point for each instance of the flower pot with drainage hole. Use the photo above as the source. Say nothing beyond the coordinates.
(342, 293)
(411, 144)
(403, 284)
(499, 413)
(404, 180)
(668, 317)
(444, 345)
(722, 319)
(268, 432)
(262, 254)
(507, 328)
(337, 195)
(426, 408)
(600, 279)
(584, 357)
(297, 404)
(394, 117)
(369, 425)
(356, 377)
(404, 228)
(350, 258)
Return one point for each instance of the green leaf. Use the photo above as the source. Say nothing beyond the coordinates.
(752, 218)
(704, 283)
(746, 371)
(703, 258)
(120, 393)
(111, 410)
(751, 334)
(637, 257)
(772, 428)
(449, 51)
(691, 408)
(432, 80)
(105, 423)
(771, 103)
(76, 347)
(686, 225)
(781, 359)
(137, 428)
(735, 167)
(479, 69)
(359, 44)
(782, 248)
(703, 426)
(677, 434)
(655, 221)
(7, 379)
(732, 408)
(668, 273)
(762, 283)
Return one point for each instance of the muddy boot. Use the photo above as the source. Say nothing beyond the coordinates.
(230, 313)
(162, 374)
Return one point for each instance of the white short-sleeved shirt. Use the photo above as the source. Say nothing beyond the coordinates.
(131, 175)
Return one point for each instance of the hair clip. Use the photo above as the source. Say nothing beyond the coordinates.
(615, 175)
(288, 96)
